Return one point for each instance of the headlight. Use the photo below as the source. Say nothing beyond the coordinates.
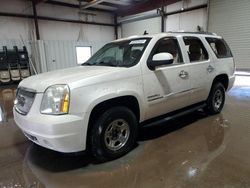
(55, 100)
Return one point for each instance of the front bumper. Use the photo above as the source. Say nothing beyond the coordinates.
(63, 133)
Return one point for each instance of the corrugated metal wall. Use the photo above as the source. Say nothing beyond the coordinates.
(59, 54)
(51, 55)
(231, 19)
(152, 26)
(187, 21)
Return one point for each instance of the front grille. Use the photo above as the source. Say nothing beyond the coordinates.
(24, 100)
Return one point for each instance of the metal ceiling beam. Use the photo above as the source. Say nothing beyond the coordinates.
(37, 1)
(30, 16)
(186, 10)
(91, 3)
(143, 7)
(110, 4)
(124, 3)
(155, 15)
(52, 2)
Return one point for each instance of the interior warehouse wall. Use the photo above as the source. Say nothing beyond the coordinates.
(187, 21)
(152, 25)
(61, 38)
(231, 19)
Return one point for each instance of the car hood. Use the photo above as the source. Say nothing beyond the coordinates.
(86, 75)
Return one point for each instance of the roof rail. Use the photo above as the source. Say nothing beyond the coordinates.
(191, 32)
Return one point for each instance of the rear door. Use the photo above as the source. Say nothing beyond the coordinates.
(223, 57)
(201, 68)
(166, 88)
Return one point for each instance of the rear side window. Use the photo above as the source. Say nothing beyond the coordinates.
(220, 47)
(195, 48)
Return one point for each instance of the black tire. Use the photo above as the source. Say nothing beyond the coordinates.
(216, 99)
(108, 132)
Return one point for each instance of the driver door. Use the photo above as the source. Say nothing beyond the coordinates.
(167, 88)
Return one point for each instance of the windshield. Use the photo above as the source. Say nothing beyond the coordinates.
(125, 53)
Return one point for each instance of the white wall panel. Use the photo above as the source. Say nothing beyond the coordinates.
(52, 55)
(72, 31)
(56, 49)
(184, 4)
(12, 28)
(187, 21)
(231, 19)
(72, 13)
(152, 26)
(14, 6)
(60, 54)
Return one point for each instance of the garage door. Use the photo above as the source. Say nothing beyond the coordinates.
(231, 19)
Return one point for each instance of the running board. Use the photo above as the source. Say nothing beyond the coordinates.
(172, 115)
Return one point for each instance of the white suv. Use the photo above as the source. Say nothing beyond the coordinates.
(98, 106)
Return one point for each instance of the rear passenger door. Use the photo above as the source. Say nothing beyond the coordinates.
(201, 68)
(222, 55)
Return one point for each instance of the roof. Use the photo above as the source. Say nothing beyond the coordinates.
(170, 33)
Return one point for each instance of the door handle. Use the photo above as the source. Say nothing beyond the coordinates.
(183, 74)
(210, 69)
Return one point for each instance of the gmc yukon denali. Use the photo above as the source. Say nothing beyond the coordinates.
(99, 105)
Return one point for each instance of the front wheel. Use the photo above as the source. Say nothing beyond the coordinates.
(216, 99)
(114, 133)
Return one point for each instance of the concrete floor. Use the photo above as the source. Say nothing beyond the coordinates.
(191, 151)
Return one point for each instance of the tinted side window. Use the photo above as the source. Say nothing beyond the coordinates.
(169, 45)
(195, 48)
(219, 47)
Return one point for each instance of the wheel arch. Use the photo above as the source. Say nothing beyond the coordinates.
(128, 101)
(223, 79)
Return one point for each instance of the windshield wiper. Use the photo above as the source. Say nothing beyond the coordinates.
(85, 64)
(102, 63)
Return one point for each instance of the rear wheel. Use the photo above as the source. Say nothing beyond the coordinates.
(216, 99)
(113, 134)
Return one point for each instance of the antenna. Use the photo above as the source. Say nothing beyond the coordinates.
(145, 32)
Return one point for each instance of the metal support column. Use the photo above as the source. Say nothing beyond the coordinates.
(162, 20)
(35, 20)
(116, 26)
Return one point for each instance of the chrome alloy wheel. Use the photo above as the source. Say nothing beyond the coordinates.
(218, 99)
(116, 135)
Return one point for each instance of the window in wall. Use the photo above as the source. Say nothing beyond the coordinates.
(195, 48)
(219, 47)
(83, 53)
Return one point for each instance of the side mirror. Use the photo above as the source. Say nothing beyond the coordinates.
(161, 59)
